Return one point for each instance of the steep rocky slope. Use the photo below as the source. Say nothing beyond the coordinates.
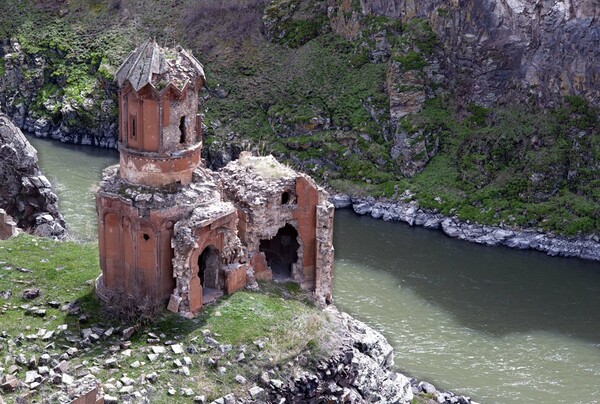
(25, 193)
(483, 109)
(499, 50)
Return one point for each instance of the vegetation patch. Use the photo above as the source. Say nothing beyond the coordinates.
(288, 85)
(244, 334)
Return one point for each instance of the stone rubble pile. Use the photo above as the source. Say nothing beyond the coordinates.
(410, 212)
(66, 361)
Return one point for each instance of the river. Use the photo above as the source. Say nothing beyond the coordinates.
(499, 325)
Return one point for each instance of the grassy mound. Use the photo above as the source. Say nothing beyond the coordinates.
(249, 333)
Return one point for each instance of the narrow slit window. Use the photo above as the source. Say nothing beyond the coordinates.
(133, 128)
(285, 198)
(182, 130)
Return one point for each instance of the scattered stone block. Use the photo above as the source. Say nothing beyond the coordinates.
(128, 332)
(10, 384)
(257, 393)
(12, 369)
(32, 376)
(111, 363)
(152, 377)
(48, 336)
(157, 349)
(31, 293)
(276, 383)
(67, 379)
(127, 381)
(174, 303)
(187, 392)
(108, 399)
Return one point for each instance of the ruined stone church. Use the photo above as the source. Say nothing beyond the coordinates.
(169, 226)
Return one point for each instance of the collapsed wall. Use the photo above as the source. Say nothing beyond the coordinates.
(25, 194)
(286, 222)
(264, 221)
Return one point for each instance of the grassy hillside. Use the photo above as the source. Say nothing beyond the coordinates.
(269, 330)
(281, 80)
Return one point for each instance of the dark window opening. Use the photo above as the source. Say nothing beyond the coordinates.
(208, 271)
(146, 237)
(281, 252)
(182, 130)
(285, 198)
(133, 128)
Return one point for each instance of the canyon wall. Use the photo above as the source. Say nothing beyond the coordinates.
(499, 50)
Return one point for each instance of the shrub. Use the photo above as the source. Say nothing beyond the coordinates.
(137, 305)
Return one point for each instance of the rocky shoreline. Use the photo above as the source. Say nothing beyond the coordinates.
(356, 369)
(409, 212)
(360, 370)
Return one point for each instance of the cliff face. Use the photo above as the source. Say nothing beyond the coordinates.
(25, 193)
(43, 101)
(502, 50)
(486, 108)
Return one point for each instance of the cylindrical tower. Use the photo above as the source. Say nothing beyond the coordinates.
(160, 141)
(160, 136)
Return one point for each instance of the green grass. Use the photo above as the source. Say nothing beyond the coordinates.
(60, 271)
(63, 271)
(487, 163)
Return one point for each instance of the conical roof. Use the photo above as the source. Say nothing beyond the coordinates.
(159, 67)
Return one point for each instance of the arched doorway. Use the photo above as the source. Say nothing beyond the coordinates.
(208, 272)
(281, 252)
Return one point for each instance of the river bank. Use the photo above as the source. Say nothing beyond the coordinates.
(442, 304)
(409, 212)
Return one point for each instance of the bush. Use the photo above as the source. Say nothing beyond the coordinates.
(137, 305)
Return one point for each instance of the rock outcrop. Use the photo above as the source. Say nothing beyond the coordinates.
(25, 193)
(499, 50)
(88, 117)
(587, 247)
(358, 369)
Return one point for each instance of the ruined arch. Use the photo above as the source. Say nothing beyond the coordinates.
(209, 272)
(208, 267)
(281, 252)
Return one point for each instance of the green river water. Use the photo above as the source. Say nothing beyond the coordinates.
(499, 325)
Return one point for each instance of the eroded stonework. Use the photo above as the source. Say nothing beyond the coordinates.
(172, 228)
